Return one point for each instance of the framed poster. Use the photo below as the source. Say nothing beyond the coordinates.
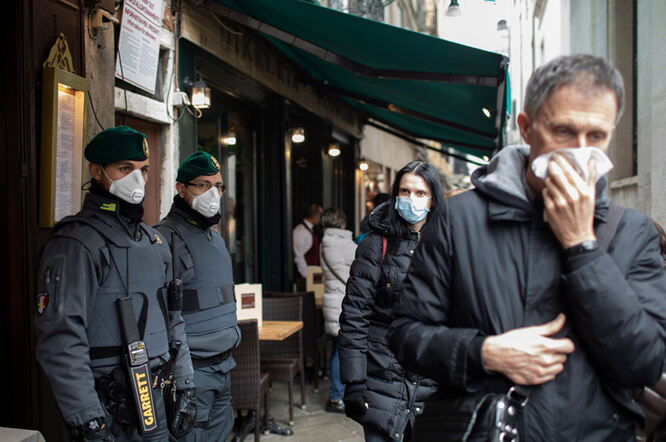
(63, 136)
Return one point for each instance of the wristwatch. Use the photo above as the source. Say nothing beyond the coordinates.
(585, 246)
(93, 425)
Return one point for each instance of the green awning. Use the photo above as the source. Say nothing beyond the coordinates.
(422, 85)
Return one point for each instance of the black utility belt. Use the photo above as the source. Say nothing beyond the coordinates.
(213, 360)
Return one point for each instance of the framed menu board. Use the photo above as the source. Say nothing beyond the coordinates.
(63, 136)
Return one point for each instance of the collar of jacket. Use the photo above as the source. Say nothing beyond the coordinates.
(108, 209)
(182, 210)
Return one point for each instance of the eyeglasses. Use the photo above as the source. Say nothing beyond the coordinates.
(205, 186)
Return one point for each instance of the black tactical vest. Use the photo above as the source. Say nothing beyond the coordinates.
(209, 305)
(127, 267)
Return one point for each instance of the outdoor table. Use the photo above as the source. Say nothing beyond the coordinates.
(278, 330)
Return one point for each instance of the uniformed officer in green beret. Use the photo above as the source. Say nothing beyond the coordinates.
(94, 261)
(209, 306)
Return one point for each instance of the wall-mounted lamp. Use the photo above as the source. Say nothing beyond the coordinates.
(454, 9)
(200, 93)
(363, 165)
(334, 149)
(230, 138)
(486, 112)
(298, 135)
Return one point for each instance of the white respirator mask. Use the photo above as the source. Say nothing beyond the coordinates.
(130, 188)
(208, 203)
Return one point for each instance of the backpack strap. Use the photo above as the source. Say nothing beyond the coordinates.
(606, 231)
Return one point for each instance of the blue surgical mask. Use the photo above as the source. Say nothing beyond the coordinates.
(412, 209)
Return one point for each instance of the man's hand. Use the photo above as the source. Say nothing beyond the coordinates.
(184, 413)
(528, 356)
(569, 202)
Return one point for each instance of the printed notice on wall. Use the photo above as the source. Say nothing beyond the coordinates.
(139, 44)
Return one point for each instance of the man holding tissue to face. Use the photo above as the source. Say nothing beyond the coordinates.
(512, 304)
(203, 264)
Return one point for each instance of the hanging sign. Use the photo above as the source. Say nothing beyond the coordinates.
(139, 44)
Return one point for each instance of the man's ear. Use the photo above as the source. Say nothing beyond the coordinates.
(96, 172)
(524, 125)
(180, 188)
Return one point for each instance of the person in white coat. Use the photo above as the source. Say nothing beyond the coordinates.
(336, 256)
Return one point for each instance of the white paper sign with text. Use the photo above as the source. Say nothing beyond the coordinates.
(139, 43)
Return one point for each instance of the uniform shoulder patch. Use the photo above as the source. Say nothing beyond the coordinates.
(157, 238)
(42, 302)
(109, 207)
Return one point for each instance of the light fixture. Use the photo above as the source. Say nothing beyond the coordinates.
(454, 9)
(334, 149)
(363, 165)
(502, 26)
(230, 138)
(200, 93)
(298, 135)
(486, 112)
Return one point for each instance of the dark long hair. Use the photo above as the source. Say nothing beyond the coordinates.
(396, 225)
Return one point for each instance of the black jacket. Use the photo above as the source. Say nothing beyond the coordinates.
(489, 263)
(367, 366)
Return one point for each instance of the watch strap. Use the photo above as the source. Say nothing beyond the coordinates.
(585, 246)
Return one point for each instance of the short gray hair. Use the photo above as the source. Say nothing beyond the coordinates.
(333, 218)
(592, 74)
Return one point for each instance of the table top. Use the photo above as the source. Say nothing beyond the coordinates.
(278, 330)
(19, 435)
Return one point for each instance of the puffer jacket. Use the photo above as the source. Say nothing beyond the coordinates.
(367, 366)
(489, 263)
(337, 250)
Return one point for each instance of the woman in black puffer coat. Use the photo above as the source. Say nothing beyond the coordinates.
(379, 393)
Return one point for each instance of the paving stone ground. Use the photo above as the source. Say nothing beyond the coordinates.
(312, 424)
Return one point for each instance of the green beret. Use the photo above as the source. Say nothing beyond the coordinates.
(197, 164)
(117, 144)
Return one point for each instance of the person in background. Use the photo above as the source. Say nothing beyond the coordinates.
(305, 241)
(203, 264)
(365, 225)
(337, 253)
(91, 261)
(380, 394)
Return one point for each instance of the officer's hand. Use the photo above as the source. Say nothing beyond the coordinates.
(528, 355)
(184, 412)
(103, 434)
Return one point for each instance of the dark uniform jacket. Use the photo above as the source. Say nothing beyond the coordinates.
(367, 366)
(84, 268)
(489, 263)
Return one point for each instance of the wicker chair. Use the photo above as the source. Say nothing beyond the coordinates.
(248, 383)
(312, 329)
(284, 359)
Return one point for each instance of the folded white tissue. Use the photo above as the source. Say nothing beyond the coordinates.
(579, 157)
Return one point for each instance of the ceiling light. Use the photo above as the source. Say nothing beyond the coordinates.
(298, 135)
(363, 165)
(454, 9)
(229, 139)
(334, 149)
